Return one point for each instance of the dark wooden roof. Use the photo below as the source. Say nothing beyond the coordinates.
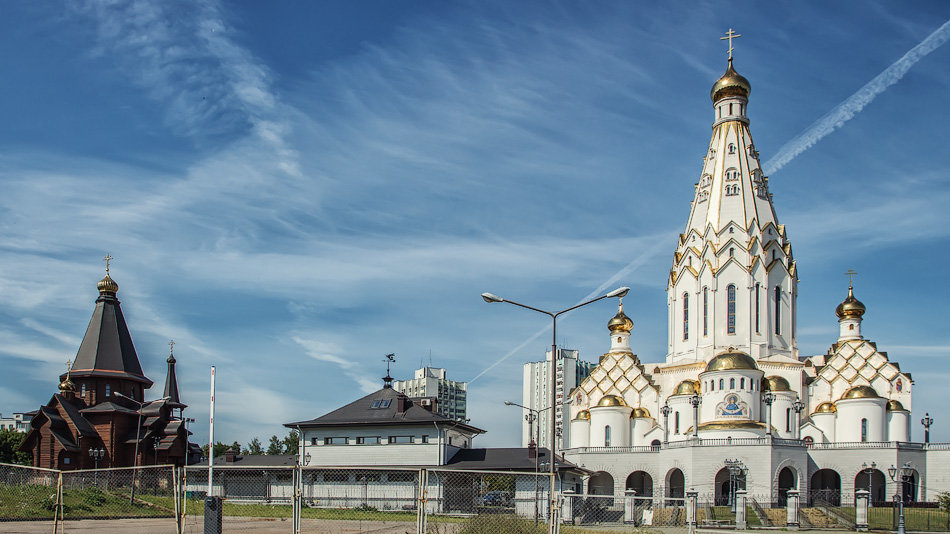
(361, 412)
(505, 459)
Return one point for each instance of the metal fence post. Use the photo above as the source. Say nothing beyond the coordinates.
(421, 502)
(791, 509)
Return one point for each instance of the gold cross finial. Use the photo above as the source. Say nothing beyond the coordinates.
(730, 35)
(851, 273)
(171, 347)
(107, 259)
(621, 304)
(69, 363)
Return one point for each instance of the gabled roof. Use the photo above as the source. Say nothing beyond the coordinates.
(505, 459)
(84, 427)
(106, 349)
(108, 407)
(258, 460)
(361, 412)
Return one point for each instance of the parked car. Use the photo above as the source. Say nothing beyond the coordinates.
(496, 498)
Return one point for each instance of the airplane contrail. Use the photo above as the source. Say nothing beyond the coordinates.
(846, 110)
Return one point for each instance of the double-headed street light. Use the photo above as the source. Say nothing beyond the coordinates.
(900, 474)
(138, 437)
(96, 454)
(489, 297)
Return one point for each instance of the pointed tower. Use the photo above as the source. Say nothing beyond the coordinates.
(733, 281)
(171, 380)
(106, 362)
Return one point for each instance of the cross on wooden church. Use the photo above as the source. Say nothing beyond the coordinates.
(730, 35)
(171, 347)
(107, 259)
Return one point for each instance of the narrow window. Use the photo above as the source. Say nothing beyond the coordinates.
(685, 316)
(83, 393)
(722, 384)
(732, 383)
(788, 419)
(778, 309)
(732, 230)
(607, 436)
(676, 423)
(742, 383)
(731, 309)
(705, 311)
(756, 307)
(108, 390)
(732, 147)
(864, 429)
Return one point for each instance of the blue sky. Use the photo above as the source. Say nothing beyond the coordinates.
(292, 190)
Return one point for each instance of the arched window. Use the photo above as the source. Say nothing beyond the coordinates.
(676, 423)
(712, 385)
(742, 383)
(83, 393)
(722, 384)
(108, 390)
(705, 311)
(685, 316)
(788, 419)
(732, 252)
(607, 436)
(864, 429)
(731, 309)
(732, 383)
(778, 309)
(756, 307)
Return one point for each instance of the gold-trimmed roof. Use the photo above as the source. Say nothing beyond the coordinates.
(728, 425)
(860, 392)
(611, 400)
(731, 359)
(851, 307)
(582, 415)
(825, 407)
(730, 84)
(777, 383)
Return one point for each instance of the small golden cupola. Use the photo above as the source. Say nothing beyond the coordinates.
(850, 314)
(730, 84)
(620, 326)
(107, 285)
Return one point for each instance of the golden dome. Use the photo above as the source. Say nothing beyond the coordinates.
(620, 322)
(687, 387)
(777, 383)
(611, 400)
(851, 307)
(895, 406)
(731, 84)
(825, 407)
(731, 359)
(639, 413)
(107, 285)
(582, 415)
(860, 392)
(67, 385)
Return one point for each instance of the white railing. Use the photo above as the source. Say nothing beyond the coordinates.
(781, 442)
(868, 445)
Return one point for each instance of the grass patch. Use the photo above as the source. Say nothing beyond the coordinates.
(39, 502)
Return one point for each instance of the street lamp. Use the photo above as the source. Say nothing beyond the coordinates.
(768, 398)
(665, 410)
(900, 475)
(736, 469)
(869, 469)
(138, 437)
(490, 298)
(96, 455)
(532, 416)
(927, 421)
(695, 400)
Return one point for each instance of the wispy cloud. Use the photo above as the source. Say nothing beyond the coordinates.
(334, 354)
(845, 111)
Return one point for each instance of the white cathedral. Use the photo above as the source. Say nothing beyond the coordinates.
(734, 388)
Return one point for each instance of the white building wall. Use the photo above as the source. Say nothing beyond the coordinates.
(850, 414)
(536, 382)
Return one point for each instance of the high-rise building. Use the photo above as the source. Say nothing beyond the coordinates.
(537, 383)
(432, 382)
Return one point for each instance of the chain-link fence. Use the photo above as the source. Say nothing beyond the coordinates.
(28, 493)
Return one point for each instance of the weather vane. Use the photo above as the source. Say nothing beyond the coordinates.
(851, 273)
(390, 358)
(730, 35)
(107, 259)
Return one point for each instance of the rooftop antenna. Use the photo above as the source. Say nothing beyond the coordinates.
(388, 380)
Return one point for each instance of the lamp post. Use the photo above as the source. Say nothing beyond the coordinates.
(96, 455)
(138, 437)
(899, 474)
(927, 421)
(695, 401)
(869, 469)
(490, 298)
(665, 410)
(532, 416)
(798, 406)
(736, 469)
(768, 398)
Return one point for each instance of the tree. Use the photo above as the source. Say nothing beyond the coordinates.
(236, 447)
(274, 446)
(291, 442)
(10, 441)
(943, 500)
(255, 447)
(219, 449)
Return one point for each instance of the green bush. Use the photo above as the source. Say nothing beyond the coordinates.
(93, 497)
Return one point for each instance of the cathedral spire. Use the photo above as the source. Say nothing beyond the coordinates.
(171, 379)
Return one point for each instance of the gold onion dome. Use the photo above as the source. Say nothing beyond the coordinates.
(620, 322)
(611, 400)
(582, 415)
(777, 383)
(687, 387)
(851, 307)
(731, 359)
(825, 407)
(860, 392)
(67, 385)
(639, 413)
(895, 406)
(730, 84)
(107, 285)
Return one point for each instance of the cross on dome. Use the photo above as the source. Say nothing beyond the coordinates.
(851, 273)
(107, 259)
(730, 35)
